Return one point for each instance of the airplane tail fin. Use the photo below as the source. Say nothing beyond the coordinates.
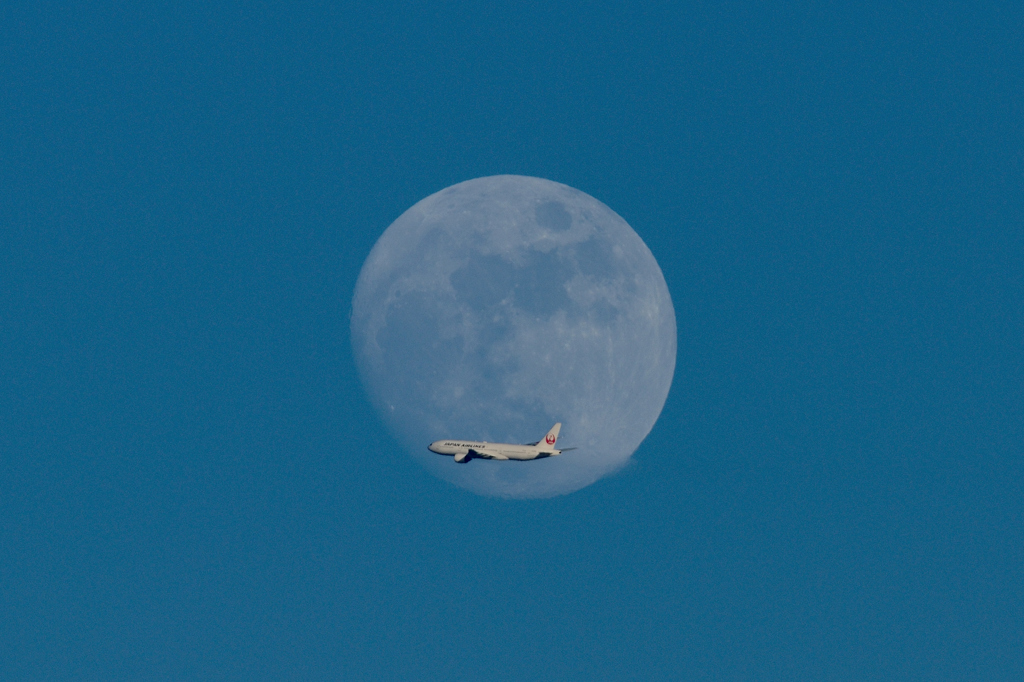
(552, 437)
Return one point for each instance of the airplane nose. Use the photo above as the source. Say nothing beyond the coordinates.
(431, 447)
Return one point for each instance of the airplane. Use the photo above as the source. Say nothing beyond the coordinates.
(465, 450)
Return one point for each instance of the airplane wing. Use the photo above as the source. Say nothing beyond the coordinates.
(484, 454)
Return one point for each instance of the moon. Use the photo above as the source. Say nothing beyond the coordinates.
(501, 305)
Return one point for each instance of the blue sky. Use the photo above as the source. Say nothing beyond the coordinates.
(194, 486)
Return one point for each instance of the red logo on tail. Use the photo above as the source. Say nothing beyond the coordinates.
(550, 440)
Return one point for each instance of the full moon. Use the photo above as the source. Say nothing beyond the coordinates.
(499, 306)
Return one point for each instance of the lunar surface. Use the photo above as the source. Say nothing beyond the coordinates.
(499, 306)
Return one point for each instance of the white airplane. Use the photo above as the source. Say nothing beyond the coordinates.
(465, 450)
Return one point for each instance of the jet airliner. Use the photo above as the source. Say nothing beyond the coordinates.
(465, 450)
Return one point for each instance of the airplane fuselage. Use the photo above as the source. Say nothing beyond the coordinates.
(464, 450)
(490, 450)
